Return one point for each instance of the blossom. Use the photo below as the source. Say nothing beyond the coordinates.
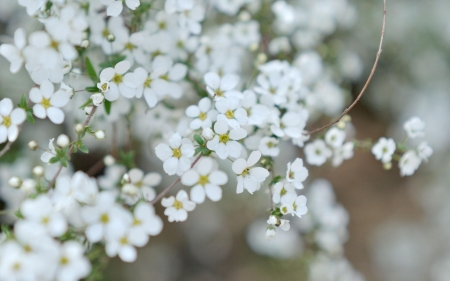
(177, 207)
(140, 186)
(335, 137)
(249, 177)
(424, 150)
(343, 153)
(203, 114)
(205, 180)
(384, 149)
(145, 221)
(297, 206)
(225, 142)
(231, 112)
(13, 53)
(296, 173)
(120, 82)
(283, 193)
(121, 242)
(175, 155)
(290, 125)
(115, 7)
(269, 146)
(97, 99)
(47, 155)
(317, 152)
(48, 103)
(409, 163)
(73, 265)
(10, 119)
(414, 127)
(219, 87)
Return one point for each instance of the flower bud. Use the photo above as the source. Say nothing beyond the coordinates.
(346, 118)
(33, 145)
(244, 16)
(15, 182)
(261, 58)
(62, 140)
(109, 160)
(208, 134)
(85, 44)
(341, 125)
(100, 135)
(387, 166)
(110, 38)
(38, 171)
(79, 128)
(28, 186)
(253, 47)
(130, 189)
(125, 178)
(97, 99)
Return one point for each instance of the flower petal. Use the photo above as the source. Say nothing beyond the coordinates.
(6, 106)
(55, 115)
(198, 194)
(213, 192)
(114, 9)
(39, 111)
(239, 165)
(18, 115)
(60, 99)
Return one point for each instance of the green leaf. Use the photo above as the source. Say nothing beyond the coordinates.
(23, 102)
(199, 139)
(83, 148)
(88, 102)
(92, 89)
(107, 105)
(91, 71)
(30, 117)
(6, 230)
(53, 160)
(198, 150)
(18, 214)
(275, 180)
(127, 159)
(64, 162)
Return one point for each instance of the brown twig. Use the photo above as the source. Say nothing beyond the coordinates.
(174, 183)
(72, 147)
(367, 82)
(97, 167)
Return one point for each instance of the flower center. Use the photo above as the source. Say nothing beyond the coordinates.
(284, 209)
(129, 46)
(218, 93)
(162, 25)
(136, 222)
(291, 175)
(229, 114)
(178, 205)
(272, 90)
(203, 180)
(245, 172)
(148, 82)
(16, 266)
(177, 153)
(249, 111)
(104, 218)
(180, 44)
(224, 138)
(124, 241)
(270, 144)
(45, 103)
(117, 78)
(283, 191)
(6, 121)
(164, 77)
(202, 116)
(54, 44)
(318, 152)
(105, 32)
(385, 150)
(64, 260)
(45, 220)
(27, 248)
(295, 206)
(104, 87)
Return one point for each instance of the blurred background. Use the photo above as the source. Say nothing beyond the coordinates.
(398, 227)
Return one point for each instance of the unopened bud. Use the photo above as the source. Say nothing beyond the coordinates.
(109, 160)
(33, 145)
(244, 16)
(63, 140)
(15, 182)
(88, 109)
(85, 44)
(341, 125)
(261, 58)
(346, 118)
(79, 128)
(125, 178)
(110, 38)
(253, 47)
(38, 171)
(100, 135)
(387, 166)
(208, 134)
(28, 186)
(97, 99)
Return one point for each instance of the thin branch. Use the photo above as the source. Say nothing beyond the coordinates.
(174, 183)
(6, 148)
(97, 167)
(72, 147)
(367, 82)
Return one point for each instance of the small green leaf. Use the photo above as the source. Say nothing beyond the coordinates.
(23, 102)
(88, 102)
(6, 229)
(198, 150)
(83, 148)
(92, 89)
(53, 160)
(199, 139)
(275, 180)
(91, 71)
(30, 117)
(107, 105)
(64, 162)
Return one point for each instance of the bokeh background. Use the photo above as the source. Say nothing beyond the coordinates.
(399, 228)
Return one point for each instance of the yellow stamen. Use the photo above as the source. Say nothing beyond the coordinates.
(229, 114)
(104, 218)
(203, 180)
(202, 116)
(117, 78)
(224, 138)
(45, 103)
(178, 205)
(6, 121)
(177, 153)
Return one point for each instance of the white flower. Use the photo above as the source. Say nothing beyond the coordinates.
(343, 153)
(145, 220)
(414, 127)
(296, 173)
(249, 177)
(283, 193)
(97, 99)
(10, 119)
(172, 6)
(409, 163)
(73, 265)
(271, 233)
(205, 180)
(40, 210)
(384, 149)
(202, 113)
(290, 125)
(13, 53)
(269, 146)
(281, 223)
(219, 87)
(121, 242)
(48, 102)
(231, 112)
(424, 150)
(176, 155)
(225, 142)
(317, 152)
(120, 82)
(256, 113)
(297, 206)
(177, 208)
(140, 186)
(69, 192)
(335, 137)
(115, 7)
(47, 155)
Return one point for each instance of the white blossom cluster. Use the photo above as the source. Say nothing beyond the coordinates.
(200, 92)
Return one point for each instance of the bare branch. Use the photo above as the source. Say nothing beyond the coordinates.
(367, 82)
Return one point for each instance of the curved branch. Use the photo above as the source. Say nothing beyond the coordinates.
(372, 72)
